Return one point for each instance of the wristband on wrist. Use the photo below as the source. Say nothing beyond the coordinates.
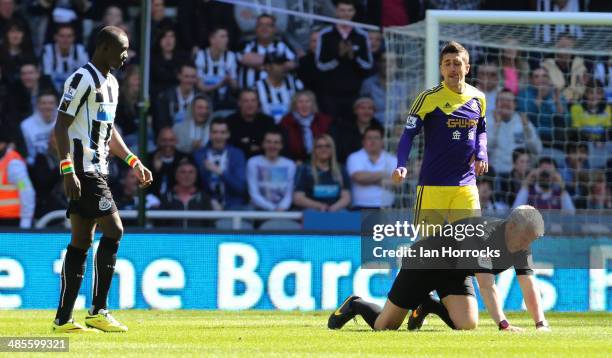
(503, 324)
(540, 324)
(131, 160)
(66, 167)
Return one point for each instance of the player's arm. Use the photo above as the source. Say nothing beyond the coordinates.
(490, 297)
(531, 294)
(412, 128)
(482, 161)
(118, 148)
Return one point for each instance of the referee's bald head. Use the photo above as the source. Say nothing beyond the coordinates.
(109, 35)
(527, 218)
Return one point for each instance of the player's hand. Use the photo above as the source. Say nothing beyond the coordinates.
(72, 186)
(481, 167)
(399, 174)
(144, 175)
(512, 328)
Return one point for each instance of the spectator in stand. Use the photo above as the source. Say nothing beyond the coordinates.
(549, 33)
(167, 61)
(488, 205)
(37, 128)
(514, 67)
(113, 16)
(603, 73)
(307, 70)
(487, 81)
(302, 124)
(222, 168)
(375, 87)
(567, 72)
(543, 188)
(254, 53)
(348, 135)
(276, 90)
(270, 176)
(592, 116)
(246, 17)
(248, 125)
(47, 180)
(128, 112)
(128, 198)
(600, 197)
(370, 169)
(394, 13)
(9, 13)
(510, 184)
(509, 130)
(197, 18)
(544, 106)
(217, 70)
(172, 105)
(159, 22)
(575, 174)
(322, 184)
(63, 56)
(343, 56)
(185, 195)
(164, 161)
(193, 132)
(16, 49)
(377, 48)
(505, 5)
(18, 198)
(24, 93)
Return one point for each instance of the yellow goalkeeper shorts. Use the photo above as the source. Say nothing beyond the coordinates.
(440, 204)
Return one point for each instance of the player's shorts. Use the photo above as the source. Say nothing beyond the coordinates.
(96, 199)
(411, 286)
(439, 204)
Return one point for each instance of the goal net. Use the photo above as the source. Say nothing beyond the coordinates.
(559, 80)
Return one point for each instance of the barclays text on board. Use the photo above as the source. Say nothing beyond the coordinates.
(252, 271)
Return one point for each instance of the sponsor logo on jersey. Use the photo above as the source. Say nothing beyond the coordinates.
(104, 204)
(106, 112)
(411, 122)
(456, 135)
(461, 123)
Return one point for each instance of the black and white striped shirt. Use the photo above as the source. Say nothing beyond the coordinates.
(248, 76)
(91, 98)
(211, 72)
(59, 67)
(275, 101)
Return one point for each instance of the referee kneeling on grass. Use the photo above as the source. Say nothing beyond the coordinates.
(508, 242)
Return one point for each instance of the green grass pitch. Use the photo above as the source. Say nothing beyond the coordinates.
(281, 334)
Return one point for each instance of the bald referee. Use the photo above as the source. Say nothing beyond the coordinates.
(452, 278)
(86, 135)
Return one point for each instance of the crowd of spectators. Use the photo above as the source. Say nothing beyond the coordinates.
(251, 111)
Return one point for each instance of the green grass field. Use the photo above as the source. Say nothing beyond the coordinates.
(282, 334)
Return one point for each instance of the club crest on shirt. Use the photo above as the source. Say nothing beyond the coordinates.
(104, 204)
(474, 105)
(411, 122)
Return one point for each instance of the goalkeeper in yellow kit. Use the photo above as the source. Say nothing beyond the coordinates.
(453, 117)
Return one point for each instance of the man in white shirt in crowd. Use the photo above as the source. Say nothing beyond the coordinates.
(370, 168)
(270, 176)
(37, 128)
(508, 130)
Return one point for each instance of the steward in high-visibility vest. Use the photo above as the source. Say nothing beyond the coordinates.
(17, 196)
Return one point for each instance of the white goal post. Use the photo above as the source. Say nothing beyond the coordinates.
(434, 18)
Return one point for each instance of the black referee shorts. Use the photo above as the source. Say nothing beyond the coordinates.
(96, 199)
(411, 286)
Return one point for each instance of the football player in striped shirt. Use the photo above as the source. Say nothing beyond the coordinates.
(453, 117)
(85, 136)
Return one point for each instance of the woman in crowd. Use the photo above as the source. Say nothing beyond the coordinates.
(322, 184)
(16, 49)
(302, 124)
(166, 61)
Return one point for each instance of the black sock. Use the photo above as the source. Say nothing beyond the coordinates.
(71, 278)
(434, 305)
(369, 311)
(106, 257)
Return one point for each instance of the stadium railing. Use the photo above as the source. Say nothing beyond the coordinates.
(235, 216)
